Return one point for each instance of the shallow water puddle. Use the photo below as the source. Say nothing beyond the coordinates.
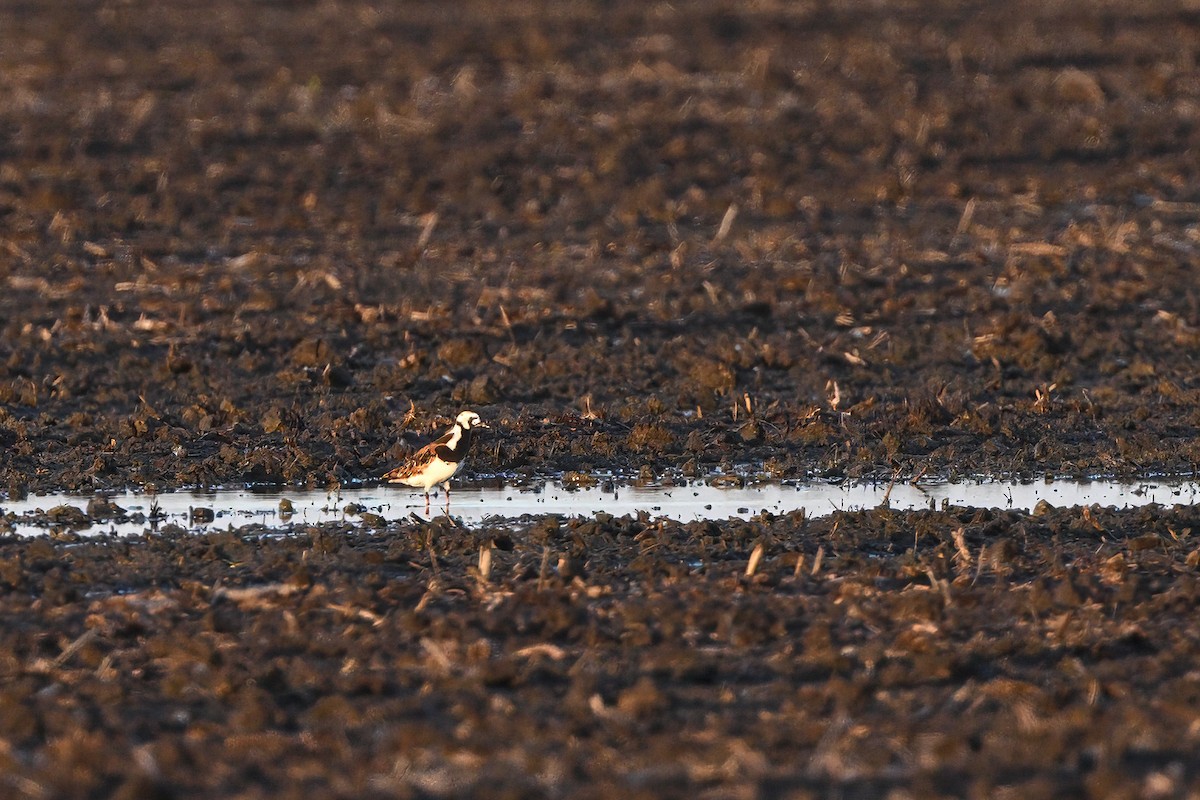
(474, 505)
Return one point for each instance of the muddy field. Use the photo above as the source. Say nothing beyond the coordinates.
(286, 242)
(928, 654)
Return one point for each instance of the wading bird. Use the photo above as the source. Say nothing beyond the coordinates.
(438, 462)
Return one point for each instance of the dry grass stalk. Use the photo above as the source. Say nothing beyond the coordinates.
(437, 654)
(964, 222)
(1037, 249)
(485, 562)
(1042, 397)
(431, 591)
(507, 325)
(255, 596)
(588, 413)
(962, 558)
(542, 649)
(1086, 513)
(75, 646)
(361, 613)
(887, 495)
(817, 559)
(726, 223)
(835, 394)
(755, 557)
(428, 223)
(938, 585)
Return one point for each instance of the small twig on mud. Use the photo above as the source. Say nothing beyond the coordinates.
(799, 565)
(817, 560)
(542, 573)
(919, 475)
(433, 562)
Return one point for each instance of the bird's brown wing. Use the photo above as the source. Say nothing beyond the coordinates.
(418, 461)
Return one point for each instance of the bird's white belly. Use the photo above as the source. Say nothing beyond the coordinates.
(436, 472)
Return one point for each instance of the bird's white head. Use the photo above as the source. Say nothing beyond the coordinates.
(468, 420)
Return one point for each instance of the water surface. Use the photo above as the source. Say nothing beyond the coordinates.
(476, 504)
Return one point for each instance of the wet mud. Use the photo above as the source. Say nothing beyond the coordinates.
(286, 243)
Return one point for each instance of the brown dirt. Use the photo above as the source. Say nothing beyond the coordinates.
(947, 654)
(240, 240)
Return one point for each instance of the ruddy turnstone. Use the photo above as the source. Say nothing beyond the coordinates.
(438, 462)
